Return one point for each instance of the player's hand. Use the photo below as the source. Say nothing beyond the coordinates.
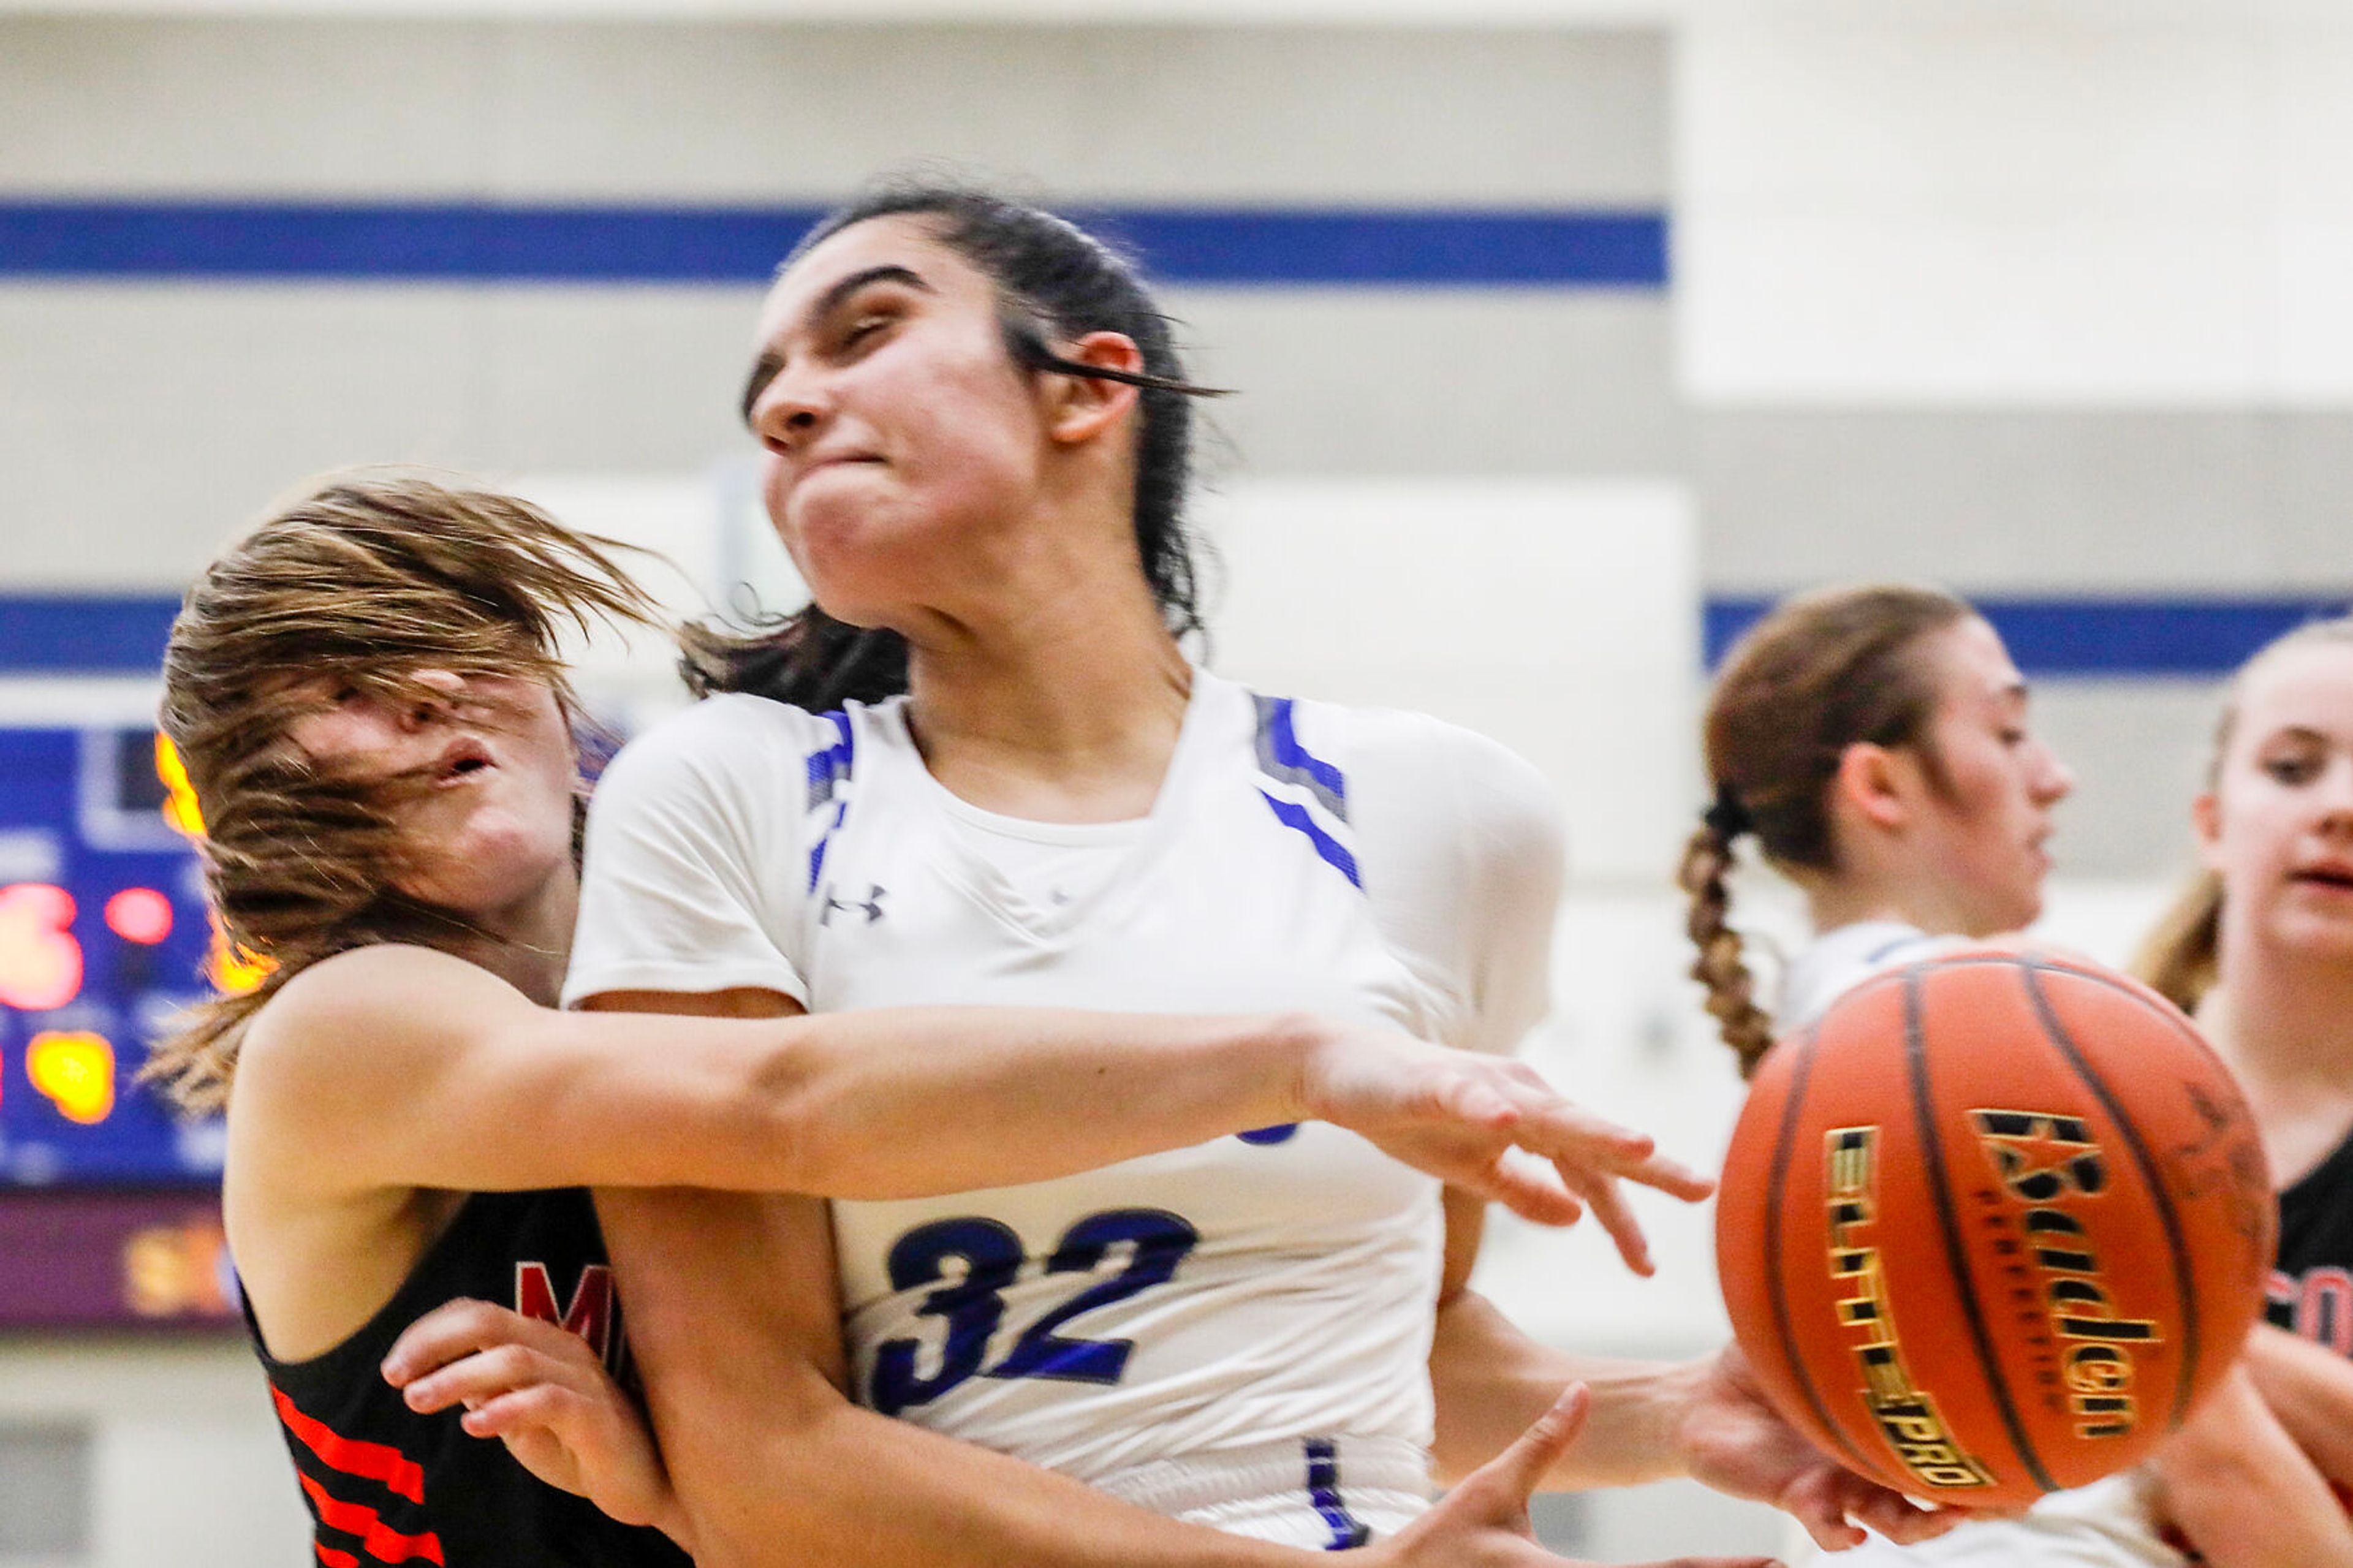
(1734, 1441)
(1483, 1522)
(542, 1391)
(1491, 1126)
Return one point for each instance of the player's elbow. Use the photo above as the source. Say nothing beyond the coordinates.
(754, 1464)
(782, 1109)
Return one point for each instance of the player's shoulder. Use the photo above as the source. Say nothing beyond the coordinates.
(1378, 739)
(734, 721)
(349, 1001)
(733, 736)
(1473, 779)
(1406, 738)
(1838, 960)
(1421, 786)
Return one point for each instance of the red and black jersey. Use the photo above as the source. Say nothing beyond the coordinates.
(2311, 1287)
(387, 1486)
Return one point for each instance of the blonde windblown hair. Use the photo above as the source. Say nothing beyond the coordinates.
(365, 580)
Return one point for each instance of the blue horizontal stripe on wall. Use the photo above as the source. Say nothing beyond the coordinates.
(2102, 636)
(84, 633)
(62, 634)
(485, 243)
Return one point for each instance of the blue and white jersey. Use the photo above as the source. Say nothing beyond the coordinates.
(1839, 960)
(1237, 1331)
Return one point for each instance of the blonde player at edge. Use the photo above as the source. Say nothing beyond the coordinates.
(364, 692)
(1875, 741)
(981, 768)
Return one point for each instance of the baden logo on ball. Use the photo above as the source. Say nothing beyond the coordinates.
(1993, 1226)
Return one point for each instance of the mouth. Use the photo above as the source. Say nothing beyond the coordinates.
(839, 460)
(462, 762)
(2336, 875)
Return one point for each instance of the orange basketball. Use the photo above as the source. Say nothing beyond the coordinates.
(1992, 1227)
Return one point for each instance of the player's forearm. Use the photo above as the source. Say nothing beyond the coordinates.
(2243, 1492)
(2310, 1390)
(768, 1488)
(1492, 1381)
(902, 1102)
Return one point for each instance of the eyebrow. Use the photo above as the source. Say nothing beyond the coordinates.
(764, 368)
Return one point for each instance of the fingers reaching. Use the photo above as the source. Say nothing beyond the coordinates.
(1534, 1452)
(1571, 1136)
(467, 1352)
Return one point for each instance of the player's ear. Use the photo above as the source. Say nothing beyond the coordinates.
(2206, 821)
(1875, 784)
(1079, 407)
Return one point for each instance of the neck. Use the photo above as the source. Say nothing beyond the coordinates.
(1066, 709)
(2283, 1018)
(528, 943)
(1835, 901)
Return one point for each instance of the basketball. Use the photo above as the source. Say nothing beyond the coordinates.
(1993, 1225)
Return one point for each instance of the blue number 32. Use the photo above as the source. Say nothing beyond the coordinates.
(974, 1306)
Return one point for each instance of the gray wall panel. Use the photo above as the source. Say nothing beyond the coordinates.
(98, 107)
(2197, 500)
(716, 112)
(156, 417)
(138, 425)
(1365, 383)
(2138, 749)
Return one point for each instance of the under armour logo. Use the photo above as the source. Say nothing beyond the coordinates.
(871, 904)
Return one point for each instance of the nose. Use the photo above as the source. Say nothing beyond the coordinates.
(2057, 780)
(447, 684)
(2334, 794)
(789, 409)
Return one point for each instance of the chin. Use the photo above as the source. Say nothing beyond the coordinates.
(486, 879)
(2314, 934)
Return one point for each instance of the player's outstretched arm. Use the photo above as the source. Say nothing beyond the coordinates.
(2236, 1484)
(413, 1068)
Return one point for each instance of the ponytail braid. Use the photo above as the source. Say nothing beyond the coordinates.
(1720, 965)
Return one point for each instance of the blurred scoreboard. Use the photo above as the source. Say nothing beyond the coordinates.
(110, 1217)
(103, 939)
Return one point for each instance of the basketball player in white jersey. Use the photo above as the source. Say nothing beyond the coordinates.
(977, 431)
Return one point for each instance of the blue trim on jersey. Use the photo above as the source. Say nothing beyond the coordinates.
(1349, 1532)
(1282, 758)
(832, 764)
(1336, 853)
(828, 769)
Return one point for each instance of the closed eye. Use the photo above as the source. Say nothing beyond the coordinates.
(862, 332)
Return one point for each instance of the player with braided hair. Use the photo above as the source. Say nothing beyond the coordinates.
(1824, 741)
(1875, 742)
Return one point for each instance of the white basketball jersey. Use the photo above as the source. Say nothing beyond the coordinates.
(1237, 1331)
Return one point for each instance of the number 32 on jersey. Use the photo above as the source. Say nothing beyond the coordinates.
(974, 1305)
